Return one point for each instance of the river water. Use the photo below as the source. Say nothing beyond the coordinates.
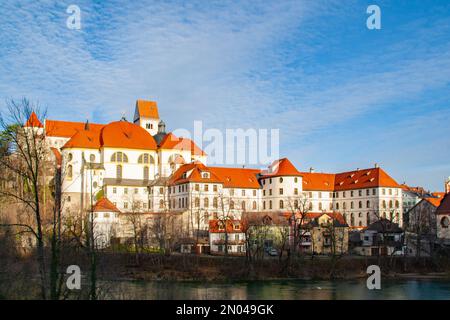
(279, 290)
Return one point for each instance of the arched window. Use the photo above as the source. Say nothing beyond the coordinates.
(384, 204)
(119, 157)
(69, 157)
(368, 204)
(390, 204)
(69, 171)
(161, 204)
(397, 204)
(146, 158)
(281, 204)
(206, 202)
(92, 158)
(215, 202)
(337, 206)
(145, 173)
(243, 205)
(310, 206)
(281, 180)
(119, 172)
(331, 205)
(352, 219)
(231, 204)
(351, 205)
(360, 204)
(368, 218)
(254, 205)
(344, 205)
(270, 204)
(445, 222)
(320, 206)
(264, 205)
(197, 202)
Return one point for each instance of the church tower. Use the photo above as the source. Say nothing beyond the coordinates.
(447, 185)
(146, 115)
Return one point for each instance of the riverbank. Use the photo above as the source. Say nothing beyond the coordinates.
(177, 267)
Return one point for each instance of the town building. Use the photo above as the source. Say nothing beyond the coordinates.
(226, 237)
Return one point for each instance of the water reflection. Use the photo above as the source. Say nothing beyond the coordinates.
(280, 290)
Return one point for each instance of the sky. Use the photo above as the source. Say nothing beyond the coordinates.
(342, 96)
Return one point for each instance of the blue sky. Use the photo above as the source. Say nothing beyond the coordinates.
(343, 96)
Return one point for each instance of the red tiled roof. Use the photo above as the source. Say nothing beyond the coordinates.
(66, 129)
(104, 205)
(436, 201)
(147, 109)
(230, 224)
(84, 139)
(318, 181)
(57, 155)
(192, 172)
(366, 178)
(33, 121)
(281, 167)
(237, 177)
(123, 134)
(171, 141)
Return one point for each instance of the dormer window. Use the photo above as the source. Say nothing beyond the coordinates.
(205, 175)
(184, 175)
(149, 125)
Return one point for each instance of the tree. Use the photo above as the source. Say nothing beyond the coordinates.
(24, 153)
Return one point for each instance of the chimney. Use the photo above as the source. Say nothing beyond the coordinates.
(311, 170)
(86, 125)
(376, 165)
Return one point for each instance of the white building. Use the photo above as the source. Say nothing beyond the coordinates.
(139, 168)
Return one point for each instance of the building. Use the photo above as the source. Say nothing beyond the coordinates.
(226, 237)
(143, 170)
(412, 196)
(443, 221)
(324, 233)
(382, 237)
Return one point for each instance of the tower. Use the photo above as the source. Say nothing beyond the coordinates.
(447, 185)
(146, 115)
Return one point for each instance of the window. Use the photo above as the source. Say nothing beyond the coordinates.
(232, 192)
(125, 190)
(281, 180)
(310, 206)
(231, 204)
(106, 215)
(136, 190)
(243, 193)
(296, 191)
(296, 180)
(197, 202)
(119, 157)
(161, 204)
(374, 192)
(368, 204)
(119, 172)
(320, 206)
(264, 205)
(146, 158)
(95, 184)
(384, 204)
(243, 205)
(197, 187)
(281, 204)
(281, 191)
(92, 158)
(254, 193)
(215, 202)
(206, 187)
(125, 205)
(295, 204)
(351, 205)
(391, 205)
(145, 173)
(270, 192)
(360, 193)
(360, 204)
(206, 202)
(69, 157)
(69, 172)
(114, 190)
(397, 204)
(445, 222)
(270, 204)
(205, 175)
(254, 205)
(368, 192)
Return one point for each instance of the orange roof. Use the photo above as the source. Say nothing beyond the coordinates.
(358, 179)
(123, 134)
(366, 178)
(281, 167)
(237, 177)
(439, 196)
(104, 205)
(57, 155)
(33, 121)
(444, 207)
(147, 109)
(171, 141)
(67, 129)
(318, 181)
(192, 172)
(84, 139)
(230, 224)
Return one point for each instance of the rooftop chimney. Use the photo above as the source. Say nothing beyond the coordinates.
(311, 170)
(376, 165)
(86, 125)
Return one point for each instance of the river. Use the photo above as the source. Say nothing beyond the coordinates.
(397, 289)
